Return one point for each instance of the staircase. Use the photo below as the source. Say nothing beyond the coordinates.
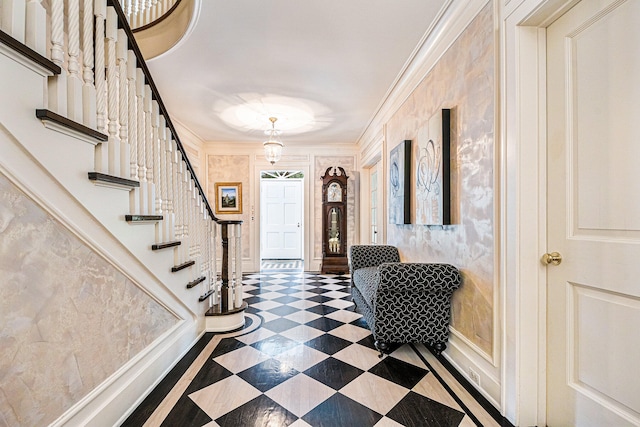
(88, 146)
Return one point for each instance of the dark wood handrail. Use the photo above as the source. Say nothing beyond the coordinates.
(133, 45)
(159, 20)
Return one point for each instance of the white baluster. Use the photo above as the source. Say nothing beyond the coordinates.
(100, 10)
(88, 89)
(57, 88)
(169, 218)
(133, 118)
(112, 92)
(141, 141)
(36, 27)
(122, 49)
(165, 140)
(154, 11)
(161, 189)
(156, 129)
(74, 81)
(178, 206)
(148, 138)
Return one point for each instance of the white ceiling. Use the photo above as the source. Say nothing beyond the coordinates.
(330, 61)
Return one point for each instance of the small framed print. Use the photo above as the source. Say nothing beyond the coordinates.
(228, 197)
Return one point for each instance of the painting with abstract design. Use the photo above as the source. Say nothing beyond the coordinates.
(399, 182)
(432, 178)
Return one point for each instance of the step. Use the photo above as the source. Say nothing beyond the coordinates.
(195, 282)
(182, 266)
(165, 245)
(143, 218)
(32, 59)
(69, 127)
(106, 180)
(206, 295)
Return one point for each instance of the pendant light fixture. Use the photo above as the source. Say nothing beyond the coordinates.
(273, 145)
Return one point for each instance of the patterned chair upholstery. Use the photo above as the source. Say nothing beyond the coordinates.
(402, 302)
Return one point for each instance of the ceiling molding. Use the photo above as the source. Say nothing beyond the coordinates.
(454, 19)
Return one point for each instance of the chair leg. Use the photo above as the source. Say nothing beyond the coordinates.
(439, 347)
(383, 347)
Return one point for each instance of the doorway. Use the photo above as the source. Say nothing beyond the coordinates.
(281, 207)
(593, 215)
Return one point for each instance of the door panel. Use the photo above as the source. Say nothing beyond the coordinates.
(281, 228)
(593, 216)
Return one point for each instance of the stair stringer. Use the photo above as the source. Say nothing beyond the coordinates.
(51, 168)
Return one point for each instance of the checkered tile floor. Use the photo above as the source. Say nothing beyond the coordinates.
(306, 358)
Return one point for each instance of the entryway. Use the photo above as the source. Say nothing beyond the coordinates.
(281, 207)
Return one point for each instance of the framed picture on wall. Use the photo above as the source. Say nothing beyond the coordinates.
(399, 184)
(432, 172)
(228, 197)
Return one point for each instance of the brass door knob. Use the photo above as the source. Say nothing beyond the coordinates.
(553, 258)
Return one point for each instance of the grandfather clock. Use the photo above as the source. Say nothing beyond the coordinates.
(334, 222)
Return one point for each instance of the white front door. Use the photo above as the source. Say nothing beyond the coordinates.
(281, 218)
(593, 215)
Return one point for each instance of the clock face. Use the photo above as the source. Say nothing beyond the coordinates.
(334, 192)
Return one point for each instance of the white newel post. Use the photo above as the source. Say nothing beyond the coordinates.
(74, 81)
(57, 87)
(88, 89)
(238, 270)
(122, 49)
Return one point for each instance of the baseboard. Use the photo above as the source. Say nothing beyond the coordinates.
(467, 363)
(113, 401)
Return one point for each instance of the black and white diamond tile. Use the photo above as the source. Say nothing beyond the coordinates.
(311, 362)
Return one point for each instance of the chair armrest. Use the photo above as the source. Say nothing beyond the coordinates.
(372, 255)
(418, 277)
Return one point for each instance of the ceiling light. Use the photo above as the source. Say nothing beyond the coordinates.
(273, 145)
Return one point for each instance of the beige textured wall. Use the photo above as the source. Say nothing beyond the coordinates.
(463, 80)
(320, 166)
(68, 318)
(232, 168)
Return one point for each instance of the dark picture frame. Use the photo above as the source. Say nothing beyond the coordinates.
(400, 184)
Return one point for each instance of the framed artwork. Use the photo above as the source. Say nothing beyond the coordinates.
(228, 197)
(399, 184)
(432, 174)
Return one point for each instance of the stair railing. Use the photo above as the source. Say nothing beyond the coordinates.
(143, 14)
(118, 109)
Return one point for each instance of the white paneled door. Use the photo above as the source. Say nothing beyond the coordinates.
(281, 218)
(593, 215)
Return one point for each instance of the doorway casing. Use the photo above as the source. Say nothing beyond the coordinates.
(523, 217)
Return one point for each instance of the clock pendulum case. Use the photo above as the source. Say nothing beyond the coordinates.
(334, 222)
